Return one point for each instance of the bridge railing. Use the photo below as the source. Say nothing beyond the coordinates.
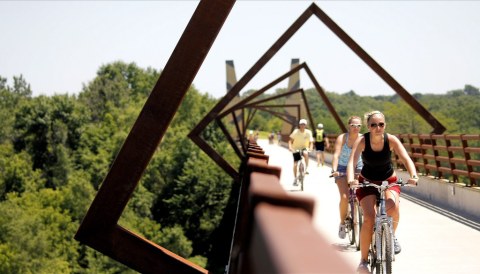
(451, 156)
(274, 231)
(454, 157)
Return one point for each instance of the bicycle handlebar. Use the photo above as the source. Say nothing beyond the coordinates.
(341, 174)
(400, 183)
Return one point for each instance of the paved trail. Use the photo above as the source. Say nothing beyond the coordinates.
(431, 242)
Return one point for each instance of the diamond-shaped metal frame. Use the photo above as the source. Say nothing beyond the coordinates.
(251, 112)
(246, 102)
(99, 228)
(313, 9)
(258, 105)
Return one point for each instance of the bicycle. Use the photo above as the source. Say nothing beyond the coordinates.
(381, 254)
(301, 168)
(354, 220)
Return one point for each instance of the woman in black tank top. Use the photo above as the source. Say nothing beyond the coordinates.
(376, 149)
(377, 165)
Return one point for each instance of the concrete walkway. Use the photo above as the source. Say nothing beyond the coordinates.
(431, 242)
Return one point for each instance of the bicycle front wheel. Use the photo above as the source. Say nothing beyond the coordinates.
(349, 228)
(387, 249)
(349, 224)
(357, 223)
(301, 176)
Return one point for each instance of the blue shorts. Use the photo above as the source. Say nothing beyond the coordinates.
(342, 170)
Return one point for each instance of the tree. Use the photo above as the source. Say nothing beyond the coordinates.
(471, 90)
(17, 174)
(10, 98)
(49, 129)
(21, 87)
(116, 85)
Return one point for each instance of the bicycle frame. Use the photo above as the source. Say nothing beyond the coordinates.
(381, 219)
(381, 253)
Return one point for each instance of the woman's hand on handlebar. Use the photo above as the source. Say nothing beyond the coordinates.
(353, 182)
(413, 181)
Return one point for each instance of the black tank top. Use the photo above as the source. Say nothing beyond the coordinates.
(377, 165)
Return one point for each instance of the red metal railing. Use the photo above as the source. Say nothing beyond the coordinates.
(455, 157)
(274, 232)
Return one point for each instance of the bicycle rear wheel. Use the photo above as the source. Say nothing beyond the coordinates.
(357, 223)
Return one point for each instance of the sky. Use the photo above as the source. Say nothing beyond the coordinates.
(427, 46)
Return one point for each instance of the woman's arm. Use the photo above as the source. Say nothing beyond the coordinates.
(336, 153)
(402, 153)
(357, 148)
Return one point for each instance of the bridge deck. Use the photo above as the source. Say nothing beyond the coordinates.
(431, 242)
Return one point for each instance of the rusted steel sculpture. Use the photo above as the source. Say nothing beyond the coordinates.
(245, 102)
(99, 228)
(237, 117)
(313, 9)
(293, 84)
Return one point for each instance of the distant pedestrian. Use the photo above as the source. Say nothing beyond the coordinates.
(271, 137)
(321, 142)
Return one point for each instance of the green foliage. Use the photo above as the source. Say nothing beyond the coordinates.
(199, 260)
(37, 233)
(10, 97)
(117, 85)
(17, 174)
(48, 128)
(197, 198)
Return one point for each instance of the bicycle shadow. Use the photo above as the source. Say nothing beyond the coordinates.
(344, 247)
(295, 190)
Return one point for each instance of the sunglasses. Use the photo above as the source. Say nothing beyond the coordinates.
(377, 125)
(355, 125)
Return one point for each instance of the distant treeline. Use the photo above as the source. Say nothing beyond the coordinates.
(456, 110)
(56, 150)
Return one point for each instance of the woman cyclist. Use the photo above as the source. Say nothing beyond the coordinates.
(376, 147)
(343, 148)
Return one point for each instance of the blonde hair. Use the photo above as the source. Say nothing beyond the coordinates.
(369, 115)
(353, 117)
